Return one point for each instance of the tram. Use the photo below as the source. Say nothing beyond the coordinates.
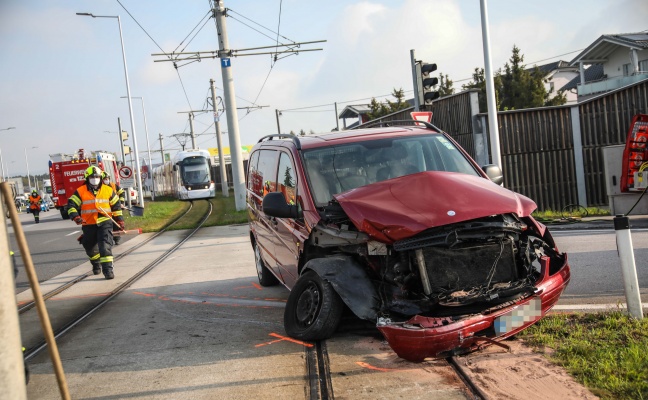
(186, 177)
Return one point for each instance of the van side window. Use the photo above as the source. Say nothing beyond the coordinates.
(286, 178)
(252, 173)
(267, 173)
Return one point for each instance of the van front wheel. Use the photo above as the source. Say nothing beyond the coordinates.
(313, 310)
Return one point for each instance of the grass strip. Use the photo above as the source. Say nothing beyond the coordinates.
(605, 351)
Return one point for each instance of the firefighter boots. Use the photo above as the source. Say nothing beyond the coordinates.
(108, 272)
(96, 269)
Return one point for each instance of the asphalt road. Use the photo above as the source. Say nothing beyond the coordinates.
(596, 270)
(52, 244)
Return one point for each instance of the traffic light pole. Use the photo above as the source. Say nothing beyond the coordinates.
(230, 107)
(415, 78)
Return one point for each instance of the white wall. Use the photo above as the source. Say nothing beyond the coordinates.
(614, 66)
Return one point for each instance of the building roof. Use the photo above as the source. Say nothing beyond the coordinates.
(353, 111)
(600, 50)
(548, 68)
(593, 73)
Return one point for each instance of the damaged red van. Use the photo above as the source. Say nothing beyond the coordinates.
(402, 227)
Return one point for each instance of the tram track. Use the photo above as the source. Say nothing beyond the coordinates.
(320, 384)
(29, 305)
(34, 350)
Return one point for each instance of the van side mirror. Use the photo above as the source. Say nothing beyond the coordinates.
(494, 173)
(275, 205)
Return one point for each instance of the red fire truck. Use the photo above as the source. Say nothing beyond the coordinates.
(66, 173)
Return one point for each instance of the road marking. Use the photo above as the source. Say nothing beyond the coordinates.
(369, 366)
(283, 338)
(73, 233)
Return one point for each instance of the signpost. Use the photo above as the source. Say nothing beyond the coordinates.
(126, 177)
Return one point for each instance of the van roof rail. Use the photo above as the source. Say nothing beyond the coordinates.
(294, 138)
(403, 122)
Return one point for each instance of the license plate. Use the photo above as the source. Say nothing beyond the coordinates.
(522, 315)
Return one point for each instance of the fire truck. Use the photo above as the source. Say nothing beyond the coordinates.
(66, 173)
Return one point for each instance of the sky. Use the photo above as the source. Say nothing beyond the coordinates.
(62, 75)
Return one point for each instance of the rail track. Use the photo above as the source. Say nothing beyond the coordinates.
(320, 385)
(33, 350)
(29, 305)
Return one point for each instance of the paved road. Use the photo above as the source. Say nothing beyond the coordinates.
(52, 244)
(596, 268)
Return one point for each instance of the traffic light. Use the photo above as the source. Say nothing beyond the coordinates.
(428, 82)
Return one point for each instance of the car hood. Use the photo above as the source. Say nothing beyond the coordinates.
(399, 208)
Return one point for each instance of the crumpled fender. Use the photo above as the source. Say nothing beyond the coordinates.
(351, 283)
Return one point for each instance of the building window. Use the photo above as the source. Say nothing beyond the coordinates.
(627, 68)
(643, 66)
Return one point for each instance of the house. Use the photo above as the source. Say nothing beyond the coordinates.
(556, 75)
(358, 112)
(623, 58)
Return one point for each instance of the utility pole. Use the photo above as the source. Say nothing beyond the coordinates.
(191, 127)
(337, 120)
(161, 148)
(278, 113)
(238, 175)
(224, 53)
(221, 156)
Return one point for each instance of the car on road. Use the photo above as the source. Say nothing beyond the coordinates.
(399, 225)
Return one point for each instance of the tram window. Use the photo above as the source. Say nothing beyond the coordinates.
(195, 171)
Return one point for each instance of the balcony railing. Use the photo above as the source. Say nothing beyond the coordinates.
(607, 84)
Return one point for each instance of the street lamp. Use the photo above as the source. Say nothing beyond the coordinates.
(27, 162)
(1, 162)
(130, 103)
(148, 146)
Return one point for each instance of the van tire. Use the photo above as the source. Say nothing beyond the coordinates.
(266, 278)
(314, 309)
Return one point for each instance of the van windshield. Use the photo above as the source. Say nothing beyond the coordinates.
(336, 169)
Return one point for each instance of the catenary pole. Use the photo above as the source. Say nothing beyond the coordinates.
(230, 107)
(278, 126)
(496, 157)
(161, 148)
(221, 156)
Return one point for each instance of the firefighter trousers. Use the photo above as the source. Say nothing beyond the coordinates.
(98, 242)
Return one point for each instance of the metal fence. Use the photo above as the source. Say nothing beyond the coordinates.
(554, 155)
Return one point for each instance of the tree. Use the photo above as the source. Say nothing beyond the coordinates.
(478, 82)
(379, 109)
(445, 86)
(515, 88)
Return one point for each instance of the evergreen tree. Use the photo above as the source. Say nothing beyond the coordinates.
(445, 86)
(516, 88)
(379, 109)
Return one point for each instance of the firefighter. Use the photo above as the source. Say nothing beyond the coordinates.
(121, 194)
(95, 206)
(35, 202)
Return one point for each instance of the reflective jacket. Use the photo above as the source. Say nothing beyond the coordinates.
(94, 206)
(119, 191)
(35, 202)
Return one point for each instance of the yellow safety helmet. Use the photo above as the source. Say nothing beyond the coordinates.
(93, 171)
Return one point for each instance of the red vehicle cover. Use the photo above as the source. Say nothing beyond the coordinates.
(636, 151)
(66, 178)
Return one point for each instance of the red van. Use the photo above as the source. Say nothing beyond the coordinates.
(399, 225)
